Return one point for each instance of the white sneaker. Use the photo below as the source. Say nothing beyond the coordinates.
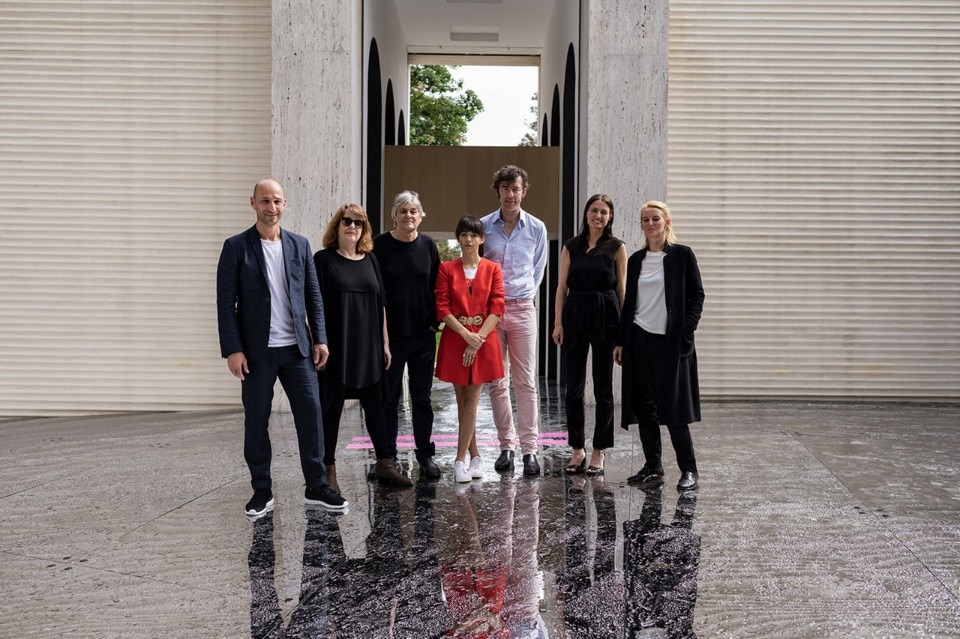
(460, 473)
(476, 470)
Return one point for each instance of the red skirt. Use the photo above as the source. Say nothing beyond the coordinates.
(487, 367)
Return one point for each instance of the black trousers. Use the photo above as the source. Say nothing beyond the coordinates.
(416, 354)
(299, 379)
(647, 355)
(371, 401)
(575, 348)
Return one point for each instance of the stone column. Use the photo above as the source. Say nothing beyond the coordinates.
(623, 97)
(317, 107)
(623, 106)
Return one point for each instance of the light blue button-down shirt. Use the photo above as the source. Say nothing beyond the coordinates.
(522, 256)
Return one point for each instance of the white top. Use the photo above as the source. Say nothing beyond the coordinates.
(281, 315)
(651, 313)
(470, 273)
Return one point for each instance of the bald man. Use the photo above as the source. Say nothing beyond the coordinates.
(270, 316)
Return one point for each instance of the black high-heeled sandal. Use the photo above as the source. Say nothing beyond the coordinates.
(576, 469)
(595, 471)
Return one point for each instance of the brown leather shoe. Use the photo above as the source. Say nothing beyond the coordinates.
(332, 478)
(386, 471)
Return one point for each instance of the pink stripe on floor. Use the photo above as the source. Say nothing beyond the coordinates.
(447, 440)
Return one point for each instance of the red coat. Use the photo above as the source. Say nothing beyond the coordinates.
(455, 298)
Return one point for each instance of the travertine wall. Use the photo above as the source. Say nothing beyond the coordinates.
(317, 142)
(623, 107)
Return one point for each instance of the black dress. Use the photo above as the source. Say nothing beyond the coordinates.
(590, 317)
(353, 299)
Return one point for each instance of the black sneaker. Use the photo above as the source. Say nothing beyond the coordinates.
(260, 503)
(646, 475)
(324, 497)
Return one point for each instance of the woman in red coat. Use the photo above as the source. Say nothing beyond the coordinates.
(470, 301)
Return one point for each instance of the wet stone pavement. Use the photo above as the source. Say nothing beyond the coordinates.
(812, 520)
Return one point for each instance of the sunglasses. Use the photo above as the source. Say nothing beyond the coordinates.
(349, 221)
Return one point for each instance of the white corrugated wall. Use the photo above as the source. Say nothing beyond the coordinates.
(131, 134)
(814, 166)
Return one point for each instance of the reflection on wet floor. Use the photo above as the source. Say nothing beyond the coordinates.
(468, 564)
(489, 559)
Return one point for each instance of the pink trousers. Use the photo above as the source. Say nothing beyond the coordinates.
(517, 331)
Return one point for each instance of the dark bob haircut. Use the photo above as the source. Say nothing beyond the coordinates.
(470, 224)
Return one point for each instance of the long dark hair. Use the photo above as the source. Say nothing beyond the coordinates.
(582, 241)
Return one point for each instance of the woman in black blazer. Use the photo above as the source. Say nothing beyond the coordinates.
(661, 311)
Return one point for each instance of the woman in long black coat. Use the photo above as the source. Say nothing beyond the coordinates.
(661, 311)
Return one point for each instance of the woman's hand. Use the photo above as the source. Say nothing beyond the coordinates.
(473, 340)
(558, 335)
(469, 356)
(618, 355)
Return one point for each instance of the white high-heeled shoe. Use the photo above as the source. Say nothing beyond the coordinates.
(460, 473)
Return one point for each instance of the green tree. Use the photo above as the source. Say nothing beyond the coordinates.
(440, 108)
(448, 250)
(530, 138)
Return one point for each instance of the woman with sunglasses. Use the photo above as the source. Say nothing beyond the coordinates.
(353, 302)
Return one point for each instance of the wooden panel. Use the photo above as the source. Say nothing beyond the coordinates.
(454, 181)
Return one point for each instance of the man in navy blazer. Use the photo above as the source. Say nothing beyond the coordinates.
(270, 316)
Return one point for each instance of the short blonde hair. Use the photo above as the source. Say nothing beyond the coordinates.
(331, 237)
(665, 210)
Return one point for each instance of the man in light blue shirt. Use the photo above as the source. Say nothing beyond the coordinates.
(518, 242)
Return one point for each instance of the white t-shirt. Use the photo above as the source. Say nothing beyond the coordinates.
(651, 313)
(281, 315)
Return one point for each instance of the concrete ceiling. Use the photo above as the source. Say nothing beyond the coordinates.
(513, 29)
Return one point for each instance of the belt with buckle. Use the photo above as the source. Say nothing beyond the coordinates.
(476, 320)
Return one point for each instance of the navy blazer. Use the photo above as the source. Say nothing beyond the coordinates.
(243, 296)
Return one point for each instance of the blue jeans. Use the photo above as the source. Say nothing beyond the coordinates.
(299, 379)
(417, 354)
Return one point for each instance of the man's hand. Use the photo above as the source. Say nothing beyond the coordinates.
(618, 355)
(320, 355)
(237, 365)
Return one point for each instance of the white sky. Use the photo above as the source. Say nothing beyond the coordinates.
(506, 93)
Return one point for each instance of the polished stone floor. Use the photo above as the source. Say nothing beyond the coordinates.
(812, 520)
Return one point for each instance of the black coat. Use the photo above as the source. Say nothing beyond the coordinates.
(678, 400)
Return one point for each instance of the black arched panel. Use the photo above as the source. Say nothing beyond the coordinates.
(374, 138)
(544, 140)
(568, 150)
(401, 130)
(555, 117)
(389, 118)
